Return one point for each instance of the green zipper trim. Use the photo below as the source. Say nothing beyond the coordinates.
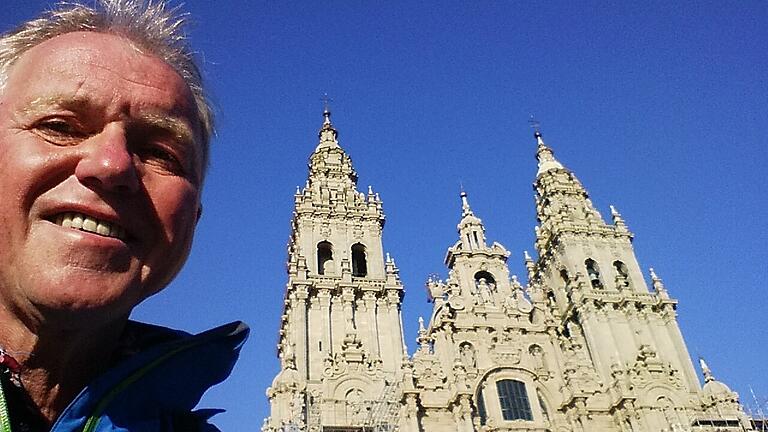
(95, 417)
(5, 420)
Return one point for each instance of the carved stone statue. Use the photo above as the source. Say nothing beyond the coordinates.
(484, 290)
(467, 353)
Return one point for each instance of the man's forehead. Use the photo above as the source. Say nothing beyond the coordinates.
(89, 72)
(88, 55)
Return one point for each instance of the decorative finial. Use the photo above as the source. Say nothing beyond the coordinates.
(617, 219)
(465, 209)
(658, 285)
(654, 277)
(423, 339)
(706, 371)
(328, 135)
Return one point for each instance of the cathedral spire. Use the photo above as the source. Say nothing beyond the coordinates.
(562, 203)
(330, 168)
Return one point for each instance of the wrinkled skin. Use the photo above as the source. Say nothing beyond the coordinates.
(90, 125)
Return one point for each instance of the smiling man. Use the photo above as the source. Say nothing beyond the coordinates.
(104, 132)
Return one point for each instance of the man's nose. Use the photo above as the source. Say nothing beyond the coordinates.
(107, 162)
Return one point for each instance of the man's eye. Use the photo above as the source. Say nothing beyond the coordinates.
(162, 159)
(60, 131)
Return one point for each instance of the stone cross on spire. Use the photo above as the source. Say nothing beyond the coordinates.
(326, 109)
(326, 102)
(535, 125)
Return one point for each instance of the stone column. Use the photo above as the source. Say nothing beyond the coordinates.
(300, 330)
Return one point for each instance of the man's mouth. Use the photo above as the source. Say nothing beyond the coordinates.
(83, 222)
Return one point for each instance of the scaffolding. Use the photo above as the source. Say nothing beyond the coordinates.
(314, 417)
(384, 415)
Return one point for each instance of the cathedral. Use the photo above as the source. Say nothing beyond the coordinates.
(585, 343)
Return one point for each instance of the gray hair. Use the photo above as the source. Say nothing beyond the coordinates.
(149, 24)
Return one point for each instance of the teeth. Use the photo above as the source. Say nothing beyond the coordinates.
(103, 228)
(77, 221)
(87, 223)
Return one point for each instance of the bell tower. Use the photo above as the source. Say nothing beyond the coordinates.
(341, 340)
(589, 272)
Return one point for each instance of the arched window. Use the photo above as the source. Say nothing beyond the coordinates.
(324, 255)
(593, 271)
(565, 277)
(514, 400)
(622, 274)
(486, 276)
(359, 265)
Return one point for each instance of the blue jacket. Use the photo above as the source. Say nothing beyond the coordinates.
(156, 388)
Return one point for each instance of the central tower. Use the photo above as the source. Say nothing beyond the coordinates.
(341, 340)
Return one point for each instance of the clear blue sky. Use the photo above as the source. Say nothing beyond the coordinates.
(659, 109)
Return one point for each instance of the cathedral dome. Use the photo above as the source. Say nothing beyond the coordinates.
(716, 390)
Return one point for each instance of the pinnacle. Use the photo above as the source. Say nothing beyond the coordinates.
(328, 134)
(706, 371)
(465, 209)
(545, 156)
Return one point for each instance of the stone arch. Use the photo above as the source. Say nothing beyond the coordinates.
(622, 274)
(593, 273)
(353, 396)
(359, 260)
(484, 274)
(649, 395)
(486, 393)
(324, 257)
(340, 388)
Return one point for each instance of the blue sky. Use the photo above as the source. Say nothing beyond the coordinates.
(658, 107)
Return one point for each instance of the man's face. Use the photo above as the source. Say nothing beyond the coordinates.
(100, 171)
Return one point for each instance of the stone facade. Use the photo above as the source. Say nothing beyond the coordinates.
(583, 346)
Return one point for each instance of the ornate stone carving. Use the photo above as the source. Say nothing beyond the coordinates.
(428, 373)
